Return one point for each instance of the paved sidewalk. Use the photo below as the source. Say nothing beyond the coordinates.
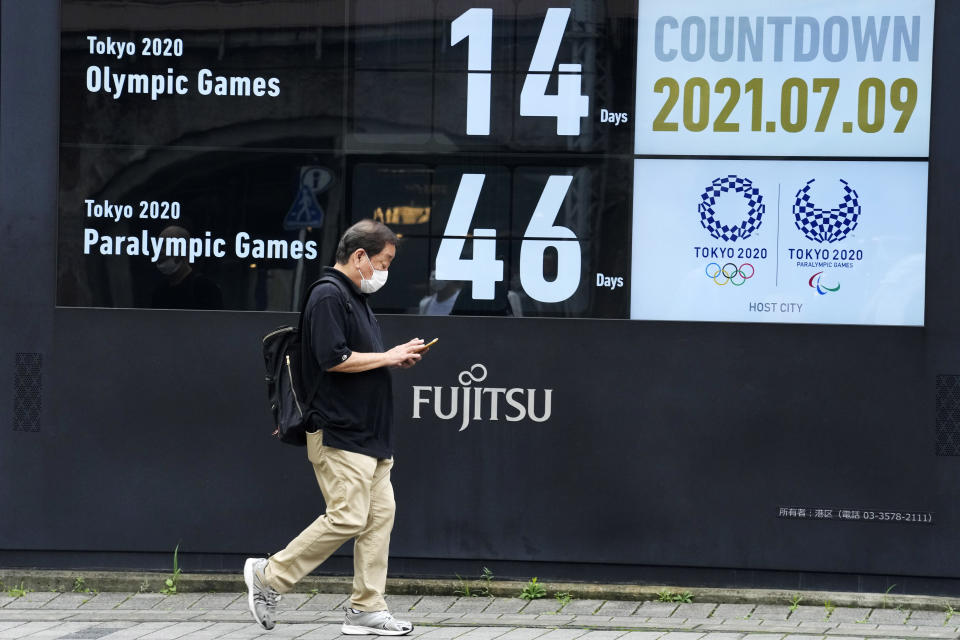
(150, 616)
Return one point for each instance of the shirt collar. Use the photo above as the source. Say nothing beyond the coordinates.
(330, 271)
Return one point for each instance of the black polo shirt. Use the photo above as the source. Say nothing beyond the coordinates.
(355, 410)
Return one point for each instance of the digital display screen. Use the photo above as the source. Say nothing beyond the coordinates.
(786, 240)
(525, 150)
(778, 241)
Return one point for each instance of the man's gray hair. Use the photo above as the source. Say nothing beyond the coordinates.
(369, 235)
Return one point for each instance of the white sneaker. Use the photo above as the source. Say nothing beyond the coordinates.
(381, 623)
(261, 599)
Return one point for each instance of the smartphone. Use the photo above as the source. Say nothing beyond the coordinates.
(426, 346)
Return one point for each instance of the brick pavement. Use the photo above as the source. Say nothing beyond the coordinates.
(221, 616)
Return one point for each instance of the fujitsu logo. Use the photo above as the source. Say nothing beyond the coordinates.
(483, 403)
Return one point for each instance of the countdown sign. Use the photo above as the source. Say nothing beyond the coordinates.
(517, 147)
(819, 78)
(782, 240)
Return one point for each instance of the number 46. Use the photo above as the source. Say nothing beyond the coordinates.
(567, 105)
(483, 269)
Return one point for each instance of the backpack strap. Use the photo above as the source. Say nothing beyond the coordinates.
(306, 297)
(303, 309)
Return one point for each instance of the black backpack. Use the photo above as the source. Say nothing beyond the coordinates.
(290, 399)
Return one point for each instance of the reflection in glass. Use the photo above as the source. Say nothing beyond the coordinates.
(183, 287)
(443, 297)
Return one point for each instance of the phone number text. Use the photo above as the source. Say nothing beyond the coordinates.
(862, 515)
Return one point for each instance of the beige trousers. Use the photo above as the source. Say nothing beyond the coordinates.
(360, 505)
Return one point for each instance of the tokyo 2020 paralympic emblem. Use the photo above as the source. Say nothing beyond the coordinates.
(826, 225)
(755, 208)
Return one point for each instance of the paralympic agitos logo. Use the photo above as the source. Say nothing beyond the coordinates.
(822, 289)
(468, 402)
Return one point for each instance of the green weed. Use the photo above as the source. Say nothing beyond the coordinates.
(563, 598)
(463, 590)
(17, 592)
(829, 606)
(665, 595)
(886, 593)
(533, 590)
(486, 578)
(174, 580)
(795, 602)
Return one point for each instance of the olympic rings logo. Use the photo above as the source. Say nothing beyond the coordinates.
(729, 273)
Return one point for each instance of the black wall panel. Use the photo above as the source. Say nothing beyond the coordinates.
(29, 113)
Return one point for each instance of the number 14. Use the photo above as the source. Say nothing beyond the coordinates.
(567, 105)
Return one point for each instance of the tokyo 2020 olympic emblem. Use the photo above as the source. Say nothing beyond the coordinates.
(826, 225)
(755, 208)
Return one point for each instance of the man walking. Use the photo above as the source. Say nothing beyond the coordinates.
(349, 440)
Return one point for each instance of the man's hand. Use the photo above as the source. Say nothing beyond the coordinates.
(404, 355)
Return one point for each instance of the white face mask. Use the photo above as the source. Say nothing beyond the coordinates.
(376, 281)
(168, 266)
